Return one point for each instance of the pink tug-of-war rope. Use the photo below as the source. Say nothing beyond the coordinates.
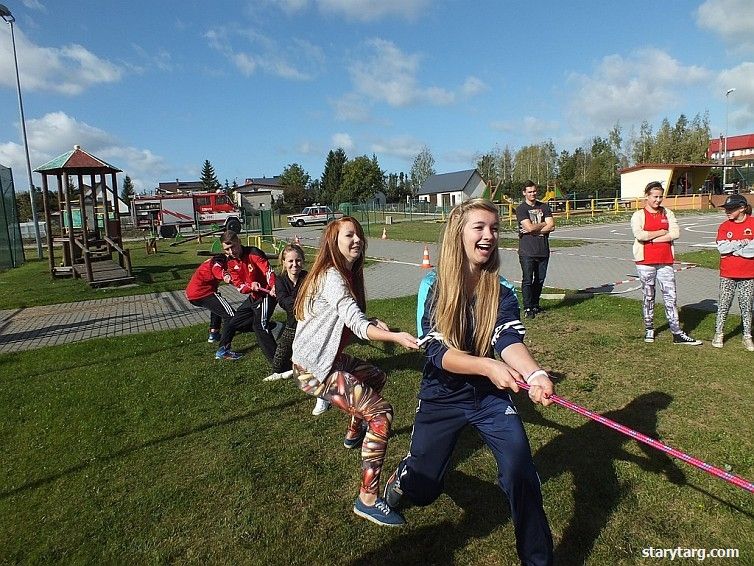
(631, 433)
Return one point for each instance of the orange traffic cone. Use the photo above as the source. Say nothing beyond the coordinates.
(297, 240)
(425, 259)
(384, 233)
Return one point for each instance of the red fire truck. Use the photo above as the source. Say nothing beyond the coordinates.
(169, 213)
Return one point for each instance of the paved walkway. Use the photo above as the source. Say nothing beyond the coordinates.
(601, 267)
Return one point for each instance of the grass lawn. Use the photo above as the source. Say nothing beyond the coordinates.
(168, 270)
(429, 231)
(143, 449)
(703, 258)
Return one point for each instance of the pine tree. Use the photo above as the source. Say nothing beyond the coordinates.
(332, 175)
(209, 179)
(128, 190)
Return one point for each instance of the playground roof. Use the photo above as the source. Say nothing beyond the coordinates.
(79, 161)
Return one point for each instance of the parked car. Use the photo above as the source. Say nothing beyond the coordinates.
(315, 214)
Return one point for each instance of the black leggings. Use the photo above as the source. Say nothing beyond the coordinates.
(282, 360)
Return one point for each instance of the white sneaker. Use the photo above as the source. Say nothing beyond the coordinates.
(748, 344)
(276, 376)
(321, 406)
(717, 341)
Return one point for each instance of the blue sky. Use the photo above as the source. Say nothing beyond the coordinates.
(157, 87)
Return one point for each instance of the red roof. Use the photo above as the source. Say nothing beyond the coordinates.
(745, 141)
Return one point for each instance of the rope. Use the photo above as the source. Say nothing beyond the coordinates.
(631, 433)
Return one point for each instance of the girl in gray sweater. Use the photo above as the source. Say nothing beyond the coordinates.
(330, 309)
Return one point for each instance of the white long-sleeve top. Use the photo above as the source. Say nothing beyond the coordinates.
(318, 336)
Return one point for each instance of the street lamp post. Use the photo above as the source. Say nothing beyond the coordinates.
(8, 17)
(725, 149)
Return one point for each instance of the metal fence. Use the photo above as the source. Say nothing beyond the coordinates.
(11, 244)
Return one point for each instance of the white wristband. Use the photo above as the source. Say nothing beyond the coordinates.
(534, 374)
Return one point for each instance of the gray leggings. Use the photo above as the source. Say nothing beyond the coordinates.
(745, 295)
(649, 275)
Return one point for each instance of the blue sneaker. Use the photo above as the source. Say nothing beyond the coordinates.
(214, 337)
(226, 354)
(379, 513)
(356, 440)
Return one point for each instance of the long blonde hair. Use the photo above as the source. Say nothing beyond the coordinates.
(451, 296)
(329, 256)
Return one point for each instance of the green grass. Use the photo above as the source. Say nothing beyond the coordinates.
(703, 258)
(168, 270)
(429, 231)
(143, 449)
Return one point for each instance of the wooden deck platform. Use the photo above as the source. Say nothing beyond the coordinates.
(105, 272)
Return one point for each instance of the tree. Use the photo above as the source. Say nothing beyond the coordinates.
(643, 147)
(422, 168)
(127, 193)
(23, 205)
(209, 179)
(295, 180)
(663, 146)
(294, 176)
(295, 198)
(488, 165)
(362, 178)
(332, 175)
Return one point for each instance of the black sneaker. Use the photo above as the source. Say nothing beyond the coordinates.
(683, 338)
(529, 313)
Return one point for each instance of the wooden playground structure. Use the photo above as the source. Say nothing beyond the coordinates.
(88, 230)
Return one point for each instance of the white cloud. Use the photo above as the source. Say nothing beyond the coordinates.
(56, 133)
(250, 51)
(389, 75)
(732, 20)
(292, 6)
(308, 148)
(473, 86)
(370, 10)
(35, 5)
(629, 89)
(70, 69)
(529, 127)
(343, 140)
(161, 60)
(351, 107)
(741, 102)
(403, 147)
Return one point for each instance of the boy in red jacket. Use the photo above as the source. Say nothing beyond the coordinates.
(202, 292)
(251, 274)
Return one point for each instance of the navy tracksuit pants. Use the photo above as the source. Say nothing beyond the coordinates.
(436, 430)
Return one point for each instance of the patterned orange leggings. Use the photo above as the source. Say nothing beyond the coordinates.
(354, 387)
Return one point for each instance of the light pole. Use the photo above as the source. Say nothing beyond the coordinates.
(725, 149)
(8, 17)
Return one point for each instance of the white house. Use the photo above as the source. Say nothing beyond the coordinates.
(449, 189)
(259, 193)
